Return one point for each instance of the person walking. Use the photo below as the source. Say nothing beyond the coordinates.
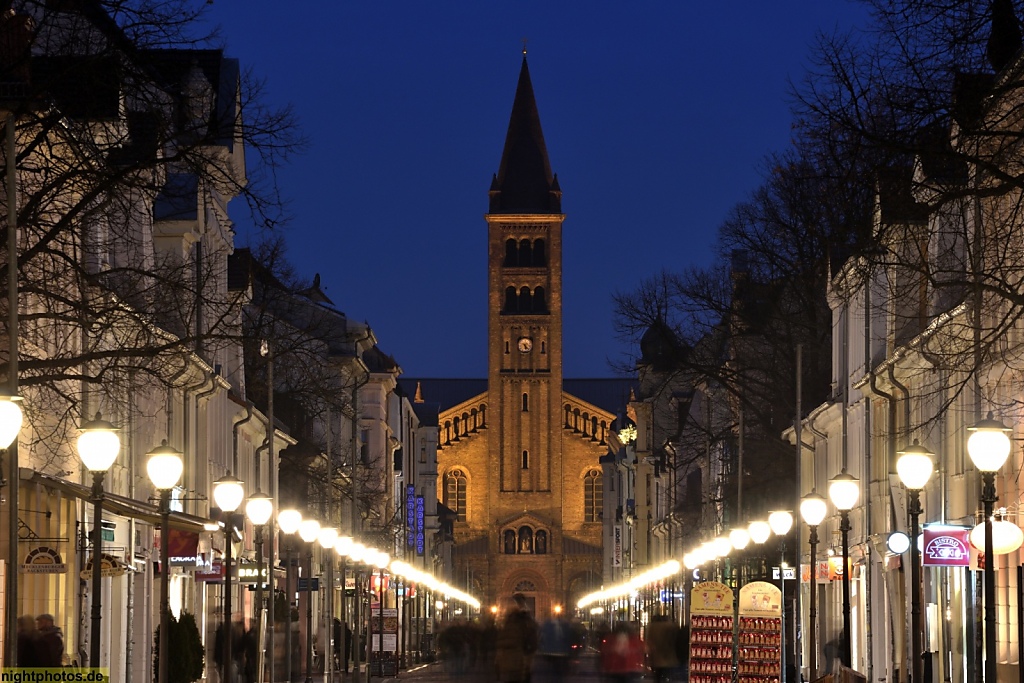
(50, 643)
(662, 637)
(622, 654)
(28, 638)
(516, 643)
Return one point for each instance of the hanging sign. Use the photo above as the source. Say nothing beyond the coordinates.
(410, 516)
(249, 572)
(109, 566)
(215, 573)
(420, 540)
(43, 560)
(946, 547)
(617, 545)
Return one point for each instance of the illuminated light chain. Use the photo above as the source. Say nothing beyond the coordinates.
(409, 572)
(659, 573)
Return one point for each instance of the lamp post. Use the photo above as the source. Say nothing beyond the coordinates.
(228, 494)
(288, 521)
(780, 522)
(812, 509)
(328, 536)
(164, 466)
(914, 467)
(343, 546)
(309, 531)
(98, 445)
(844, 490)
(989, 446)
(259, 508)
(381, 560)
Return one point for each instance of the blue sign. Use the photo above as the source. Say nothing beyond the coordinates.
(304, 584)
(419, 525)
(410, 516)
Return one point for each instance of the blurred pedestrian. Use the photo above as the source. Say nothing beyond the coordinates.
(27, 641)
(662, 637)
(622, 654)
(554, 648)
(50, 643)
(516, 642)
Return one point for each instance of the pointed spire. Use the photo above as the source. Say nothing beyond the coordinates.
(524, 182)
(1005, 40)
(418, 398)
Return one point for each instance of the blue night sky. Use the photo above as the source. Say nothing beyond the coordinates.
(657, 115)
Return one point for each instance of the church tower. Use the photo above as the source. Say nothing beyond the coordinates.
(519, 469)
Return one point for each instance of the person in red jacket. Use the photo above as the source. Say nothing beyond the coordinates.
(622, 654)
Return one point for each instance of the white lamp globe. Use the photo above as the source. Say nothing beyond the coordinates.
(343, 545)
(259, 508)
(309, 530)
(759, 531)
(721, 546)
(357, 552)
(915, 466)
(98, 444)
(11, 419)
(740, 538)
(898, 542)
(328, 535)
(690, 561)
(164, 467)
(382, 560)
(289, 520)
(813, 508)
(1006, 537)
(844, 490)
(781, 521)
(989, 444)
(228, 493)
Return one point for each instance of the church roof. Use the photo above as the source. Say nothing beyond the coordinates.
(609, 393)
(524, 182)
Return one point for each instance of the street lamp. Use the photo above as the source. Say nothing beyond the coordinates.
(11, 419)
(914, 467)
(288, 521)
(228, 494)
(328, 537)
(740, 538)
(164, 466)
(989, 446)
(844, 490)
(343, 546)
(780, 522)
(98, 445)
(259, 508)
(812, 509)
(309, 531)
(759, 531)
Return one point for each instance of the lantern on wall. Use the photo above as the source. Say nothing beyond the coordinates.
(1006, 537)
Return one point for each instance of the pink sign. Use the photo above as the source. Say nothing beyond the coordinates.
(946, 547)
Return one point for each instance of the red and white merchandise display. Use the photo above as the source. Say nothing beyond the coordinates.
(759, 649)
(711, 630)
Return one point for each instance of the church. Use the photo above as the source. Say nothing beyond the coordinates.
(519, 451)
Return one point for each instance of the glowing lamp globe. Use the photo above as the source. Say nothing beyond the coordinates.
(1006, 537)
(844, 490)
(98, 444)
(328, 535)
(11, 419)
(781, 521)
(813, 508)
(309, 530)
(164, 467)
(228, 493)
(343, 545)
(759, 531)
(289, 520)
(739, 538)
(382, 560)
(989, 444)
(357, 552)
(259, 508)
(915, 466)
(898, 542)
(721, 546)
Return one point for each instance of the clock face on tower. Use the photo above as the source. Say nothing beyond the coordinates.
(525, 344)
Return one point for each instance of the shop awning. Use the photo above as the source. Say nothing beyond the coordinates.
(126, 507)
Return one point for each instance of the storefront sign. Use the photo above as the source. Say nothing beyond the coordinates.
(250, 572)
(617, 545)
(420, 541)
(410, 516)
(183, 548)
(43, 560)
(109, 566)
(215, 573)
(946, 547)
(711, 598)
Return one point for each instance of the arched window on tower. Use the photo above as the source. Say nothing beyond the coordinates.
(511, 254)
(525, 300)
(540, 302)
(539, 257)
(526, 402)
(525, 254)
(455, 493)
(568, 416)
(511, 301)
(526, 460)
(592, 496)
